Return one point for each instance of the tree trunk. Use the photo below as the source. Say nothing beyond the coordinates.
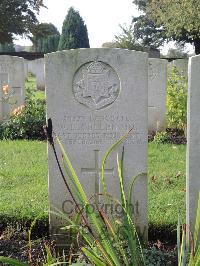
(197, 46)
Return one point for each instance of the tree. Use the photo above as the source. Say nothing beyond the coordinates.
(45, 38)
(145, 29)
(176, 53)
(113, 44)
(179, 19)
(7, 47)
(74, 32)
(17, 17)
(127, 40)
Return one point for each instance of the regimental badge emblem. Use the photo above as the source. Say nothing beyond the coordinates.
(96, 85)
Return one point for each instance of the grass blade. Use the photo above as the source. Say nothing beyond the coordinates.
(93, 257)
(107, 156)
(197, 225)
(12, 261)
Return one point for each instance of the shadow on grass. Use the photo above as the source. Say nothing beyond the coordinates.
(164, 233)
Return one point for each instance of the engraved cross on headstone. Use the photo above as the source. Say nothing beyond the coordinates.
(97, 171)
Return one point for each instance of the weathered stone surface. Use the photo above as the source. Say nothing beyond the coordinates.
(25, 68)
(11, 74)
(157, 92)
(193, 141)
(94, 96)
(36, 67)
(181, 65)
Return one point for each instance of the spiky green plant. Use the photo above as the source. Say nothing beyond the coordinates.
(189, 255)
(108, 241)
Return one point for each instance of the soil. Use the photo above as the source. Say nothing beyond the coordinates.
(174, 136)
(15, 244)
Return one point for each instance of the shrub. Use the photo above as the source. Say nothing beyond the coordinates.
(177, 100)
(162, 137)
(26, 121)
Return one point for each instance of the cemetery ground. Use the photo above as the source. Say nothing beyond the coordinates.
(24, 189)
(24, 194)
(24, 183)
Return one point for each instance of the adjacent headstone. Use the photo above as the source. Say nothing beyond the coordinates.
(181, 65)
(157, 92)
(36, 67)
(25, 68)
(193, 141)
(94, 96)
(12, 92)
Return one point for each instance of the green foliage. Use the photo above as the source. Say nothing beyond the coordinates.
(161, 137)
(155, 257)
(17, 17)
(7, 47)
(43, 30)
(23, 182)
(146, 31)
(176, 53)
(189, 256)
(110, 45)
(48, 44)
(177, 100)
(45, 38)
(10, 261)
(166, 20)
(179, 19)
(28, 124)
(141, 4)
(108, 240)
(127, 39)
(166, 172)
(74, 32)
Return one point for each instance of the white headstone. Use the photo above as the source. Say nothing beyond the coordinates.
(36, 67)
(181, 65)
(25, 68)
(193, 141)
(157, 93)
(11, 74)
(94, 96)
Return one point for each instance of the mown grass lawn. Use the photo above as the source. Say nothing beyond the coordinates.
(31, 85)
(24, 181)
(167, 181)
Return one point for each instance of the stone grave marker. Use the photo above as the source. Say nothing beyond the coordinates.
(36, 67)
(11, 74)
(193, 142)
(157, 92)
(181, 65)
(25, 68)
(94, 96)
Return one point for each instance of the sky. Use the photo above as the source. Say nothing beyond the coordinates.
(101, 17)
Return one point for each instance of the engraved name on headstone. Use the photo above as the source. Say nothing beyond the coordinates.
(94, 96)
